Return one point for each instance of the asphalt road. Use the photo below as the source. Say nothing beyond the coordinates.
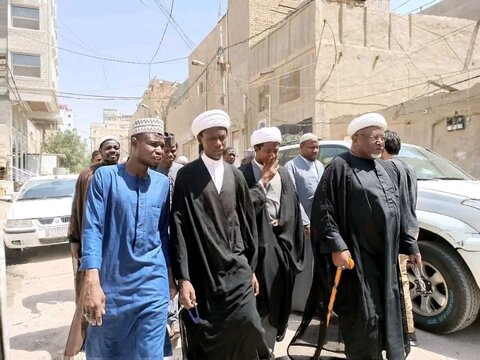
(41, 303)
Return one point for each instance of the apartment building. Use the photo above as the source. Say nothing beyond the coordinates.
(68, 118)
(28, 81)
(323, 60)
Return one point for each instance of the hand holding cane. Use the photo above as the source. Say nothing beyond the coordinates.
(338, 275)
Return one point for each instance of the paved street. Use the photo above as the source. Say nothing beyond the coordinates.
(40, 302)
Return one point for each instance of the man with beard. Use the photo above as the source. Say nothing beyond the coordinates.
(125, 252)
(214, 252)
(358, 213)
(280, 232)
(229, 155)
(306, 172)
(109, 150)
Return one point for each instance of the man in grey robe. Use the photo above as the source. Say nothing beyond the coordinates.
(306, 172)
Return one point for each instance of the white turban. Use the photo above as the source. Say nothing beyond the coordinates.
(307, 137)
(106, 138)
(266, 134)
(210, 119)
(366, 120)
(147, 125)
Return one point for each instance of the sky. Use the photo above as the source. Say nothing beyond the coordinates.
(130, 30)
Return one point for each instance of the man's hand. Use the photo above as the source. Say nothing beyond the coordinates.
(270, 168)
(75, 249)
(307, 232)
(93, 298)
(255, 285)
(186, 296)
(415, 259)
(340, 259)
(172, 284)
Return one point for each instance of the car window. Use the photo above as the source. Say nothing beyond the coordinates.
(430, 166)
(328, 152)
(286, 155)
(47, 189)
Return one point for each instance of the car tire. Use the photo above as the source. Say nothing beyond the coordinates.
(452, 282)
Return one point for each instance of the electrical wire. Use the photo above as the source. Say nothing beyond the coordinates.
(164, 31)
(175, 25)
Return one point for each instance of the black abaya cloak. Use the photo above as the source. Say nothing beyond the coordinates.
(281, 249)
(357, 207)
(214, 246)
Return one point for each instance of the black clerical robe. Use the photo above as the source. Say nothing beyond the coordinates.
(281, 249)
(214, 246)
(357, 207)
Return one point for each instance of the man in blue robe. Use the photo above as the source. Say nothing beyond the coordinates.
(125, 252)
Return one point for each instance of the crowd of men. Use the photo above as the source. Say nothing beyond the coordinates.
(223, 255)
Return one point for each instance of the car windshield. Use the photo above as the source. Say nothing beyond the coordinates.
(429, 166)
(47, 189)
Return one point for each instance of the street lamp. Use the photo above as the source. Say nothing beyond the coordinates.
(201, 63)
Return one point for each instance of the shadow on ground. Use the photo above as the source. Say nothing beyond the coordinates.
(38, 254)
(49, 340)
(457, 345)
(51, 298)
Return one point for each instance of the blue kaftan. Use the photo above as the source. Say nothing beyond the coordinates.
(125, 235)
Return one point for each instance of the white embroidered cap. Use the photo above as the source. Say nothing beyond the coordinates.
(307, 137)
(147, 125)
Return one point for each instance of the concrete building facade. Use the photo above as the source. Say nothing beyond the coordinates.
(114, 123)
(28, 79)
(321, 60)
(466, 9)
(155, 99)
(352, 59)
(68, 118)
(426, 122)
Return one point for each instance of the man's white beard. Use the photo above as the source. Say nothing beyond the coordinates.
(376, 156)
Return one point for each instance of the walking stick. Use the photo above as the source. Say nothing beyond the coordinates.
(338, 276)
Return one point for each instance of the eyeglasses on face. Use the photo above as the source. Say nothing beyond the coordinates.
(374, 138)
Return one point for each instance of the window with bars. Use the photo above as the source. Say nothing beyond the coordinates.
(25, 17)
(26, 65)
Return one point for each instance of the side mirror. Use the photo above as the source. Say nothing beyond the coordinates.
(6, 198)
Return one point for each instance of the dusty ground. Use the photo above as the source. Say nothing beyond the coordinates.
(41, 303)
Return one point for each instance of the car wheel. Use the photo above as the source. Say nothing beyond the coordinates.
(453, 299)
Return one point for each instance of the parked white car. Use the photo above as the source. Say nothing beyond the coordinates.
(448, 211)
(40, 213)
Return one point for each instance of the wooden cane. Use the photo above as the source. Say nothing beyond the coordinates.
(338, 275)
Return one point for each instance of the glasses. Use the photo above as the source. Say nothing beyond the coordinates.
(374, 139)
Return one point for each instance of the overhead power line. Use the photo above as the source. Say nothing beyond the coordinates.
(164, 31)
(174, 23)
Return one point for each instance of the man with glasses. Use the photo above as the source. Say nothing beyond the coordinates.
(358, 213)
